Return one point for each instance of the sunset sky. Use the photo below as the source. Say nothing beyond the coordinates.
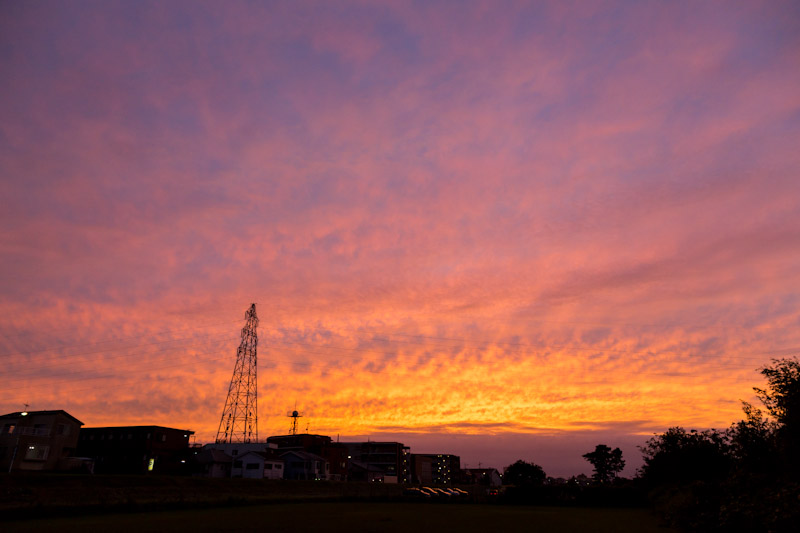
(505, 230)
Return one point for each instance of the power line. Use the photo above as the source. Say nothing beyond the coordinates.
(111, 350)
(65, 347)
(542, 347)
(138, 362)
(149, 369)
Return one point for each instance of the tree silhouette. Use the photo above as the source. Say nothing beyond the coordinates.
(683, 456)
(607, 463)
(752, 442)
(524, 474)
(746, 478)
(781, 397)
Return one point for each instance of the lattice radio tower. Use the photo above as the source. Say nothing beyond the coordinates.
(239, 422)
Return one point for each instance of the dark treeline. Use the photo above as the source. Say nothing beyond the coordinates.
(743, 478)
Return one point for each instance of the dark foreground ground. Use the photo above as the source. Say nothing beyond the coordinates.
(355, 517)
(83, 503)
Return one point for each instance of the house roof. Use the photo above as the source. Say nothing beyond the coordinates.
(482, 470)
(308, 456)
(371, 468)
(104, 428)
(18, 414)
(265, 455)
(213, 456)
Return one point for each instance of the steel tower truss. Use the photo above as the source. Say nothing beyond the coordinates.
(239, 422)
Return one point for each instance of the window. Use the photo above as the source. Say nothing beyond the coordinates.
(267, 466)
(9, 429)
(252, 466)
(237, 464)
(278, 467)
(36, 452)
(163, 438)
(62, 429)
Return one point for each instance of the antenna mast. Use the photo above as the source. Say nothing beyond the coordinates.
(294, 415)
(239, 422)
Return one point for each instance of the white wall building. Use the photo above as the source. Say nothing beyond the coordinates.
(257, 465)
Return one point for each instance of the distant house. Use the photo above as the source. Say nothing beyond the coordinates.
(136, 449)
(482, 476)
(209, 462)
(235, 449)
(359, 471)
(333, 452)
(258, 465)
(38, 440)
(304, 465)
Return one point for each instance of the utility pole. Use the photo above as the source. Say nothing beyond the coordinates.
(239, 421)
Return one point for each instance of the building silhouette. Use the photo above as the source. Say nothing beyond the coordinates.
(386, 462)
(38, 440)
(136, 449)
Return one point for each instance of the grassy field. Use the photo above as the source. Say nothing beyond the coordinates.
(356, 517)
(142, 503)
(50, 494)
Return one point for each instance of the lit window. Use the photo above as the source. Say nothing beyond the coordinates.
(37, 453)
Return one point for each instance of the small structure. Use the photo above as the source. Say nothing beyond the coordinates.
(489, 477)
(304, 465)
(38, 440)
